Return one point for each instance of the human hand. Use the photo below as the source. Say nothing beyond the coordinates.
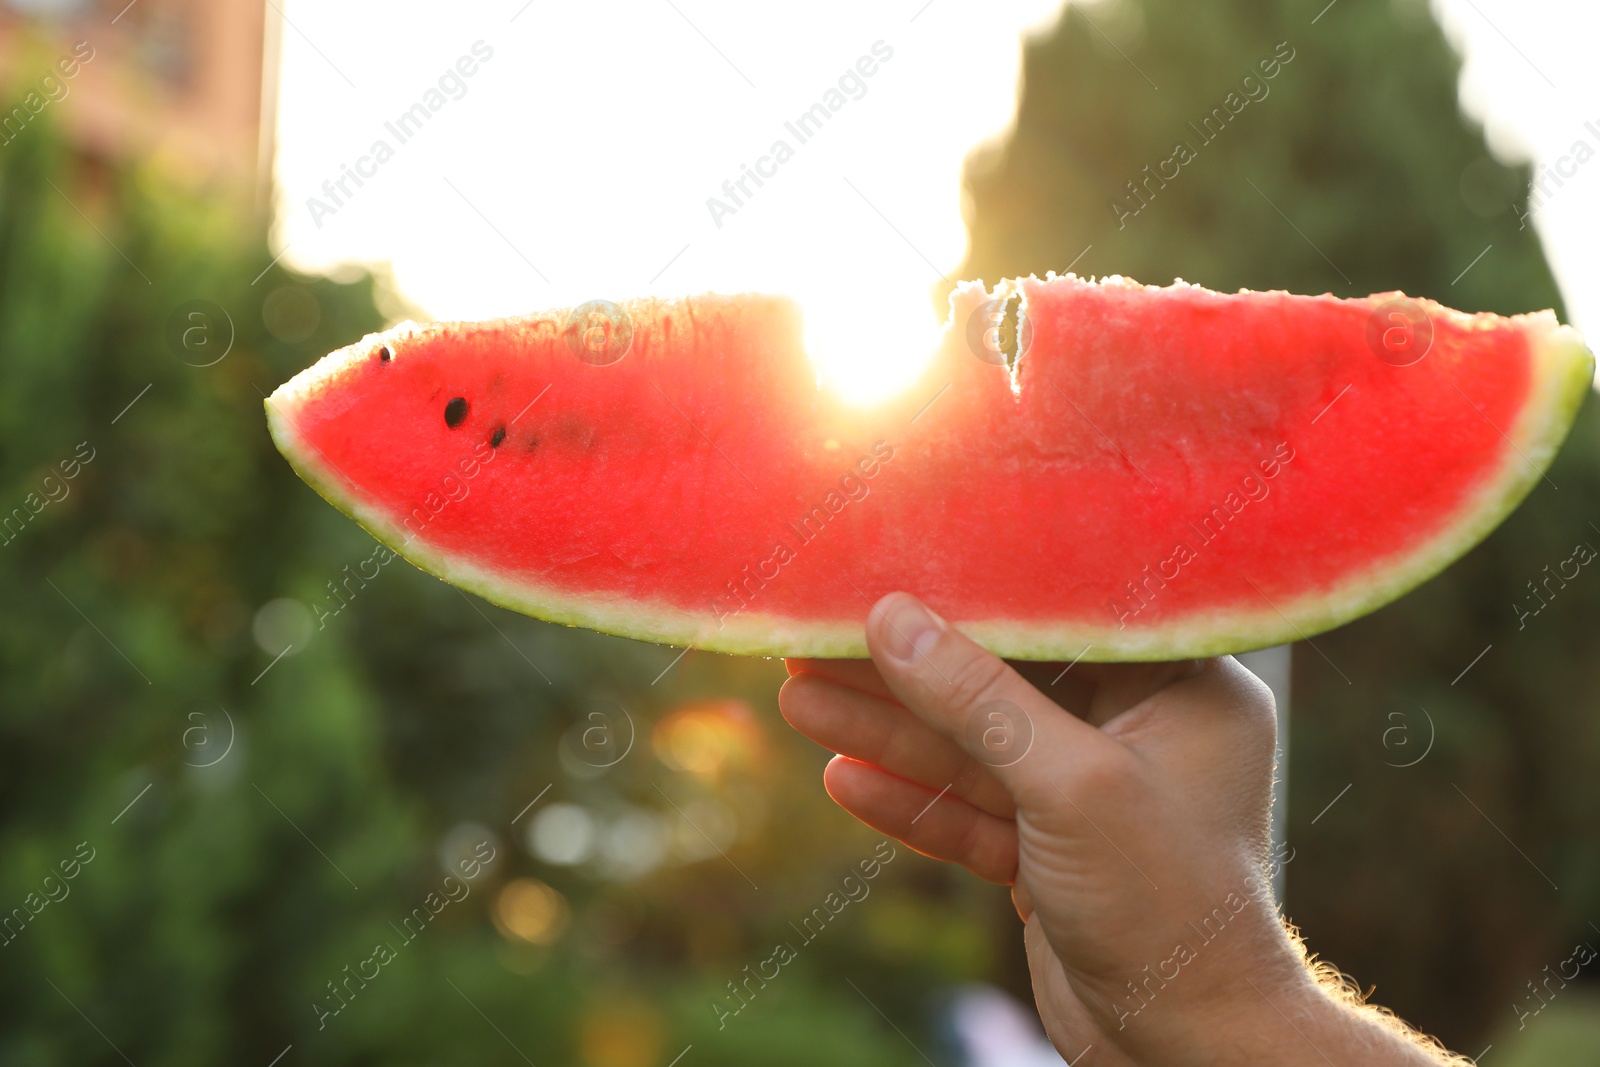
(1129, 811)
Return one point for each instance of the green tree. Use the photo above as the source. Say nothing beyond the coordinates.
(253, 823)
(1350, 170)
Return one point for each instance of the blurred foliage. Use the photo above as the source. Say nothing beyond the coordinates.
(1355, 172)
(177, 602)
(1568, 1031)
(271, 756)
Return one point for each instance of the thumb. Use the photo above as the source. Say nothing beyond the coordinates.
(977, 700)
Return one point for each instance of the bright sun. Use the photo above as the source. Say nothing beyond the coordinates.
(814, 152)
(870, 343)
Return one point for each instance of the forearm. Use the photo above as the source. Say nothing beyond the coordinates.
(1307, 1016)
(1321, 1026)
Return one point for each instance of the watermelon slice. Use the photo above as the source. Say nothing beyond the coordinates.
(1158, 473)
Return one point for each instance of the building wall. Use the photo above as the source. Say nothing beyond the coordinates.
(189, 84)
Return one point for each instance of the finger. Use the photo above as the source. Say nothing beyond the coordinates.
(1070, 685)
(1122, 686)
(1098, 692)
(944, 827)
(859, 674)
(1209, 703)
(1212, 738)
(1067, 1021)
(1092, 691)
(975, 699)
(853, 724)
(1021, 899)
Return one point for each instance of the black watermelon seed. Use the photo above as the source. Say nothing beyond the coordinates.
(455, 412)
(385, 353)
(498, 436)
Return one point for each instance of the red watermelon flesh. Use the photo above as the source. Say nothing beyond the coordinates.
(1162, 472)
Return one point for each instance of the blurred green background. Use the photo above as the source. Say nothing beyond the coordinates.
(259, 819)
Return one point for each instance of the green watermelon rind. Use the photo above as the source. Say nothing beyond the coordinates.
(1563, 377)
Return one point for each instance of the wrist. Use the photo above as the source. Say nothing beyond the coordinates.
(1242, 1013)
(1277, 1014)
(1266, 1019)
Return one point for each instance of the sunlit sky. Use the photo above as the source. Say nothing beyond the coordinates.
(575, 161)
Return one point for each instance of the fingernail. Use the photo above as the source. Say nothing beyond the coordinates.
(909, 630)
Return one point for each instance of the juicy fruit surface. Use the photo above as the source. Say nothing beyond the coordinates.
(1166, 472)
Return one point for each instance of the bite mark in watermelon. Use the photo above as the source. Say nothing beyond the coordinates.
(1164, 472)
